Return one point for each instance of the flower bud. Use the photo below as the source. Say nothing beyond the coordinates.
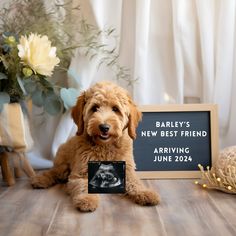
(10, 40)
(27, 72)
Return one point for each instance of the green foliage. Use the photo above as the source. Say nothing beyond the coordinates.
(90, 45)
(53, 104)
(25, 16)
(69, 97)
(67, 30)
(4, 98)
(64, 25)
(30, 86)
(38, 98)
(2, 76)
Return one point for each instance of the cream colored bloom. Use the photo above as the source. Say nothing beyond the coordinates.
(36, 52)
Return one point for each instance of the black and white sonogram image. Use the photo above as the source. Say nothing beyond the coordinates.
(106, 177)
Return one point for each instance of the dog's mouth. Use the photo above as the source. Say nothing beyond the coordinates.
(104, 136)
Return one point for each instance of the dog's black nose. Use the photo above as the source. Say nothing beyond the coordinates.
(104, 128)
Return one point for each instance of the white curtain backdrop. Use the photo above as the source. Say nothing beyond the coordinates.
(181, 51)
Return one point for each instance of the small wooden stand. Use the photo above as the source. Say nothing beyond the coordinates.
(12, 164)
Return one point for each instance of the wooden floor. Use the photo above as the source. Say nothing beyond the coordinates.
(185, 209)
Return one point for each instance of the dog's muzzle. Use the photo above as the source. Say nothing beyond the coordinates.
(104, 128)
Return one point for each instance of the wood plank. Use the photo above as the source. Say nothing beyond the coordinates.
(115, 216)
(226, 204)
(187, 210)
(123, 217)
(28, 211)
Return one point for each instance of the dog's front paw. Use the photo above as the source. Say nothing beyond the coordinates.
(40, 181)
(85, 202)
(146, 198)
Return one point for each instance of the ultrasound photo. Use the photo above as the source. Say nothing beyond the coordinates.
(106, 177)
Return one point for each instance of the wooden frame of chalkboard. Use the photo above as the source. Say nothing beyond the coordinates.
(179, 119)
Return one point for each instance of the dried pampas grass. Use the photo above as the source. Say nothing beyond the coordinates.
(222, 176)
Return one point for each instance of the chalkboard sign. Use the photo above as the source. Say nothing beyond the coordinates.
(173, 139)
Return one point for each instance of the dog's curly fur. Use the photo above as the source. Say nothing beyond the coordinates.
(104, 103)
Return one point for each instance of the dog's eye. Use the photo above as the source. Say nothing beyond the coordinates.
(115, 109)
(95, 108)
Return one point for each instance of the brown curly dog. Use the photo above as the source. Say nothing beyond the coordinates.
(107, 119)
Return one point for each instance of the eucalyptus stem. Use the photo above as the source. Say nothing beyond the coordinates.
(67, 32)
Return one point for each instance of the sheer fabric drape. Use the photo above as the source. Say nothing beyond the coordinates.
(181, 51)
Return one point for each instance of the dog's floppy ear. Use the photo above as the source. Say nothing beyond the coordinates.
(134, 118)
(77, 113)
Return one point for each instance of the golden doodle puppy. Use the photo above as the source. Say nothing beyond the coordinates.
(107, 119)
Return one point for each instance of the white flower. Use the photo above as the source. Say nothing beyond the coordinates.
(36, 52)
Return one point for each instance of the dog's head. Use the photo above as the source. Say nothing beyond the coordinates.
(104, 112)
